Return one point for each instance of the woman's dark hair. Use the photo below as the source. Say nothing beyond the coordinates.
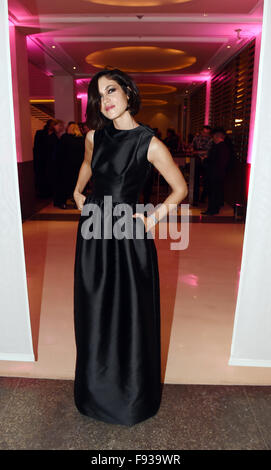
(94, 118)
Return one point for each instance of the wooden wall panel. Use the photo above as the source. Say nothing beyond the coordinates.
(197, 109)
(231, 92)
(231, 99)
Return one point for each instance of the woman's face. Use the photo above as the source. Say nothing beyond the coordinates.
(113, 99)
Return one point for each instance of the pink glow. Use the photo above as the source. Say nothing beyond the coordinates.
(254, 97)
(161, 79)
(247, 178)
(82, 80)
(251, 131)
(181, 78)
(188, 78)
(189, 279)
(84, 99)
(31, 45)
(15, 95)
(207, 102)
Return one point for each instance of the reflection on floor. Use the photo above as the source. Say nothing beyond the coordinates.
(198, 296)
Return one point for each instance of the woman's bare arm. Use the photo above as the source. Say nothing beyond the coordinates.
(85, 172)
(161, 158)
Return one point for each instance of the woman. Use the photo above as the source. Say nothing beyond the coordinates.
(69, 159)
(116, 280)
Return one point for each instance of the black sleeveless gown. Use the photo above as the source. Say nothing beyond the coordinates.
(116, 292)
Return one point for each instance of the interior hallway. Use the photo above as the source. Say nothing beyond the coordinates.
(198, 295)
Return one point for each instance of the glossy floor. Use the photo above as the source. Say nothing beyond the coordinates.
(198, 296)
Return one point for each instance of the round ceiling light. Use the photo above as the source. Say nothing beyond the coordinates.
(138, 3)
(155, 89)
(141, 59)
(153, 102)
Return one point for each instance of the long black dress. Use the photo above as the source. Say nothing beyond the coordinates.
(116, 292)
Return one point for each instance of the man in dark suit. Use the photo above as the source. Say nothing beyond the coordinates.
(217, 163)
(201, 144)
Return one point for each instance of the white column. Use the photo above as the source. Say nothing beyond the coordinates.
(64, 93)
(15, 331)
(251, 344)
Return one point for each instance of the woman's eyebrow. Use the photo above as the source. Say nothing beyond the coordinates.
(106, 88)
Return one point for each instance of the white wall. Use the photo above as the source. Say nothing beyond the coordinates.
(64, 94)
(251, 344)
(15, 332)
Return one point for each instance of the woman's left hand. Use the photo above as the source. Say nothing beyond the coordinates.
(147, 222)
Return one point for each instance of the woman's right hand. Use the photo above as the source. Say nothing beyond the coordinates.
(79, 199)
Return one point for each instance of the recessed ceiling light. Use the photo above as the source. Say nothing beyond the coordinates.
(74, 68)
(209, 68)
(53, 47)
(228, 47)
(163, 59)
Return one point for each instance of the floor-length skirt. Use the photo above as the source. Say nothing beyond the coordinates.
(117, 327)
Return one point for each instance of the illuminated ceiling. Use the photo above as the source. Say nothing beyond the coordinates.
(161, 42)
(153, 102)
(154, 89)
(148, 59)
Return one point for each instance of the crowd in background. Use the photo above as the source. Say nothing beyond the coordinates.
(214, 157)
(59, 153)
(213, 154)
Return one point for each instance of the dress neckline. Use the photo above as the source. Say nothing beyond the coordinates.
(124, 130)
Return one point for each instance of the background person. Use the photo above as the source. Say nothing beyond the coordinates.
(44, 156)
(201, 144)
(69, 158)
(217, 163)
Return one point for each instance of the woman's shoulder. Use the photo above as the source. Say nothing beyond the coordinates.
(90, 135)
(147, 128)
(95, 135)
